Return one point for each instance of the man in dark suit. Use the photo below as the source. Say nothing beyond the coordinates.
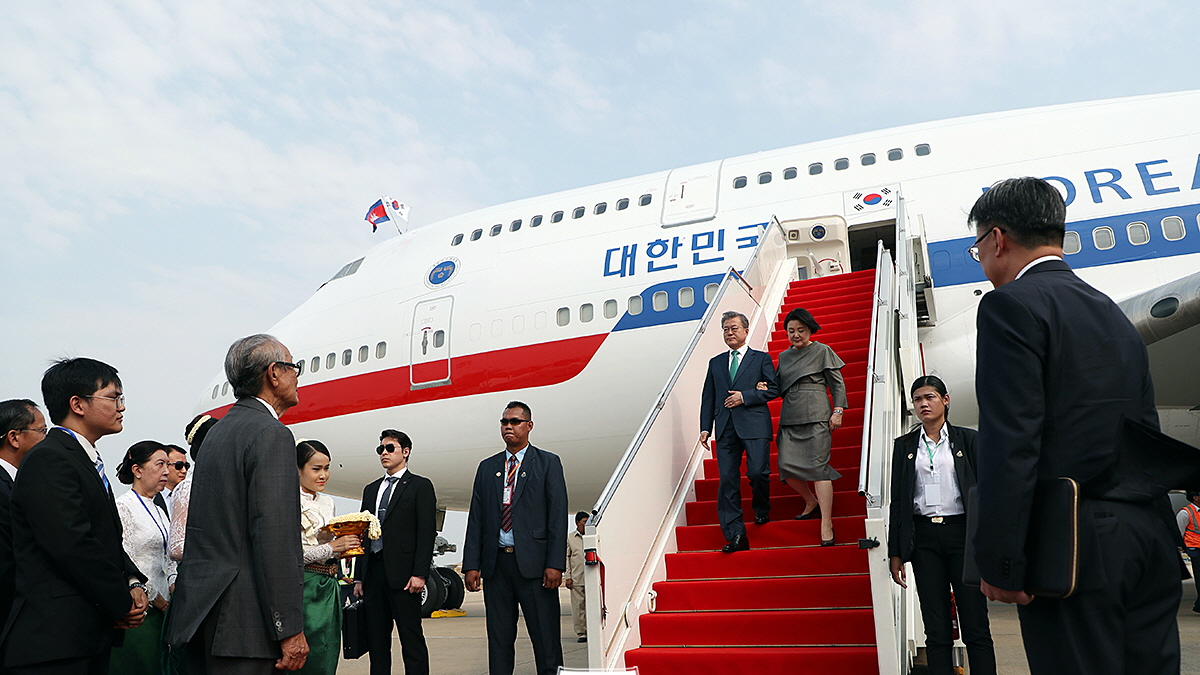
(76, 589)
(239, 595)
(392, 574)
(738, 410)
(22, 426)
(1060, 367)
(517, 542)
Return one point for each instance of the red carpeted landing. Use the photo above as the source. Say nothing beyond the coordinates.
(788, 604)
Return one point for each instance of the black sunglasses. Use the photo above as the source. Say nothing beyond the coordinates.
(179, 466)
(514, 421)
(390, 447)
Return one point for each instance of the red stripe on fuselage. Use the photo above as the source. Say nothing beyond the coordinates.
(537, 365)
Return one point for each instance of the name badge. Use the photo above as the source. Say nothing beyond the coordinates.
(507, 495)
(933, 494)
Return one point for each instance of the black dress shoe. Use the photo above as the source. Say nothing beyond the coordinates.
(738, 543)
(762, 520)
(829, 541)
(815, 513)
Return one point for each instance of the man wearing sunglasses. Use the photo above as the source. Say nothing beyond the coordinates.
(392, 574)
(517, 543)
(177, 470)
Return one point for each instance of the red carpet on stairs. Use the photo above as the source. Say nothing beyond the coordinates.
(788, 604)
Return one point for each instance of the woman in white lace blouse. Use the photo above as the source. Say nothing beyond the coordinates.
(146, 528)
(322, 613)
(194, 433)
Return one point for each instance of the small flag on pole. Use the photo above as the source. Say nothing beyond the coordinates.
(376, 215)
(400, 208)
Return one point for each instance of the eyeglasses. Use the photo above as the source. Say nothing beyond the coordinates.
(37, 430)
(390, 447)
(119, 400)
(296, 366)
(732, 329)
(512, 421)
(974, 249)
(179, 466)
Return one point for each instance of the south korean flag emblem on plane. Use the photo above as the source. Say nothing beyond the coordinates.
(873, 199)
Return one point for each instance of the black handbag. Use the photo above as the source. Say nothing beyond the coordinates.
(354, 627)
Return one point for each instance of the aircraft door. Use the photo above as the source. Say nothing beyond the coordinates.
(430, 347)
(691, 194)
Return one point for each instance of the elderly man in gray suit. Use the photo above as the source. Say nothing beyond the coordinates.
(238, 603)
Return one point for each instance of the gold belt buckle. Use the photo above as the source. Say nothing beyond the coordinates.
(508, 549)
(936, 519)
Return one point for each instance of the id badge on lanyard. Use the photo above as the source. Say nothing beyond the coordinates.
(933, 488)
(508, 489)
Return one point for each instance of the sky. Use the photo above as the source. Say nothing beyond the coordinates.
(176, 175)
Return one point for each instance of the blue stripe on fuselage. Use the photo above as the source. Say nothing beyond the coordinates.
(673, 313)
(950, 264)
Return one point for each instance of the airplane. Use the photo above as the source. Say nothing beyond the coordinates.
(579, 302)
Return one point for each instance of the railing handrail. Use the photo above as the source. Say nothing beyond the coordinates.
(881, 259)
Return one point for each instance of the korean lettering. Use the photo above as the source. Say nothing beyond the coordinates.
(702, 241)
(625, 262)
(752, 240)
(658, 248)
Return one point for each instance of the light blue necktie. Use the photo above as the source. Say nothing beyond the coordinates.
(100, 468)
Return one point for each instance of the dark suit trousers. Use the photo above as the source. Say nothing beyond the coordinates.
(1126, 626)
(384, 606)
(937, 561)
(96, 665)
(200, 659)
(758, 470)
(502, 593)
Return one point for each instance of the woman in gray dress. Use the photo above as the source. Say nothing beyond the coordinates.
(806, 371)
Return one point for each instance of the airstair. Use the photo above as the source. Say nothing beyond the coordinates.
(673, 601)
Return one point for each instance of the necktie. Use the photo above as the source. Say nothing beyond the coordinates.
(733, 366)
(509, 483)
(100, 468)
(377, 544)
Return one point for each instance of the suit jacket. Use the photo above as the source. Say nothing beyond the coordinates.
(752, 419)
(963, 444)
(8, 568)
(408, 529)
(539, 515)
(244, 563)
(1059, 368)
(72, 573)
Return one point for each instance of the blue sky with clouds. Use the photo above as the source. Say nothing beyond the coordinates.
(175, 175)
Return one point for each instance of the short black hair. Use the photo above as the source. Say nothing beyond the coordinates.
(196, 430)
(522, 406)
(307, 448)
(805, 317)
(398, 436)
(581, 515)
(137, 455)
(80, 377)
(16, 414)
(1029, 210)
(171, 447)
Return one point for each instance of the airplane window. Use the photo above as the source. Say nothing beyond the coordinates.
(659, 301)
(622, 204)
(476, 235)
(347, 357)
(841, 164)
(610, 309)
(564, 316)
(1172, 227)
(497, 328)
(300, 371)
(815, 168)
(868, 159)
(710, 292)
(456, 240)
(600, 208)
(224, 389)
(316, 364)
(476, 331)
(687, 296)
(330, 360)
(586, 312)
(578, 212)
(381, 350)
(644, 200)
(516, 225)
(539, 320)
(496, 229)
(922, 149)
(439, 339)
(216, 388)
(1104, 238)
(635, 305)
(535, 221)
(363, 353)
(1138, 233)
(739, 182)
(519, 323)
(895, 154)
(1071, 244)
(764, 178)
(556, 217)
(789, 173)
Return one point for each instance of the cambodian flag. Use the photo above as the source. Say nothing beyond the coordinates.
(377, 214)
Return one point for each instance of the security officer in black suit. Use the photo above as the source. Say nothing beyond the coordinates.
(1060, 368)
(933, 468)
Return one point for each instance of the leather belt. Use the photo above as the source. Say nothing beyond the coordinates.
(507, 549)
(942, 520)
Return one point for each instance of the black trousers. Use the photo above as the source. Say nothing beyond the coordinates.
(385, 606)
(96, 665)
(758, 469)
(1129, 624)
(503, 592)
(937, 562)
(200, 659)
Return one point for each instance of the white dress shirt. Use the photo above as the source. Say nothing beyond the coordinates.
(741, 352)
(12, 470)
(937, 492)
(1031, 265)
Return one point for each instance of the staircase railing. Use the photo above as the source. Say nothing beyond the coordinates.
(633, 527)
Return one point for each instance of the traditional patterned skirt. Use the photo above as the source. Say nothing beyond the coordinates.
(322, 623)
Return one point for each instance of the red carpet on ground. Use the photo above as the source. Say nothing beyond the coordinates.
(788, 604)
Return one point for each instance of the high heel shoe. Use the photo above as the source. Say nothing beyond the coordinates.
(829, 541)
(815, 513)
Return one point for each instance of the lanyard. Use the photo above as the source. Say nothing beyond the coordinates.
(515, 469)
(929, 450)
(162, 532)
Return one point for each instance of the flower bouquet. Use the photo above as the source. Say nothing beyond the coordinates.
(354, 523)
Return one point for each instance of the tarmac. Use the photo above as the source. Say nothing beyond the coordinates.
(458, 645)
